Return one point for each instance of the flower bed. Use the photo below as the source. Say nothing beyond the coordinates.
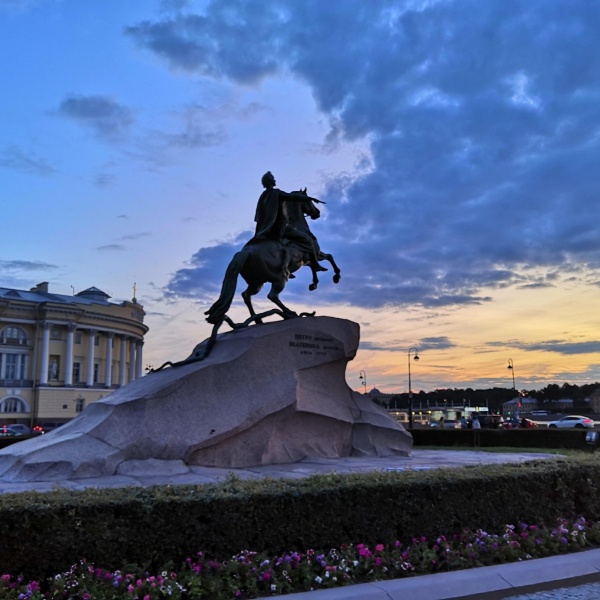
(251, 575)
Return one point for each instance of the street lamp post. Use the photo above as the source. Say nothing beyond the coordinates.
(512, 370)
(410, 403)
(363, 378)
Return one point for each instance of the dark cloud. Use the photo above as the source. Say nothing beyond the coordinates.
(564, 347)
(197, 130)
(26, 265)
(482, 119)
(427, 343)
(111, 248)
(102, 114)
(202, 278)
(104, 180)
(243, 50)
(18, 159)
(136, 236)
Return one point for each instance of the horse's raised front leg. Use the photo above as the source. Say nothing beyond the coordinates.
(337, 274)
(276, 288)
(247, 294)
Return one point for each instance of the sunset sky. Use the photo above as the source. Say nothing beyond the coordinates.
(456, 144)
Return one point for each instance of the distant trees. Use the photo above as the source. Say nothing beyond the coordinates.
(494, 398)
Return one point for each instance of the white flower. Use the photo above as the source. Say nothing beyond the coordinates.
(318, 579)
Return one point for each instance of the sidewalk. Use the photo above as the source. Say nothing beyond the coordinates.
(486, 583)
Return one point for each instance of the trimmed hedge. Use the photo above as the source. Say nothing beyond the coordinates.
(41, 533)
(573, 439)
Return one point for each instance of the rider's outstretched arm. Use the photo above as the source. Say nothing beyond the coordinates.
(298, 197)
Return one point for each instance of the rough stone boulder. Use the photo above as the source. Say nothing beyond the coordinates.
(266, 394)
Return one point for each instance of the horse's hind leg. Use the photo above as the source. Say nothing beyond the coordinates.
(247, 294)
(337, 274)
(315, 281)
(276, 288)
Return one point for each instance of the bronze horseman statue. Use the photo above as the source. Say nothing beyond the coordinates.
(282, 244)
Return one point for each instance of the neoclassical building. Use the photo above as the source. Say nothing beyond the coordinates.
(58, 353)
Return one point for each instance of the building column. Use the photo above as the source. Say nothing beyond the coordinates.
(44, 363)
(89, 382)
(123, 360)
(108, 365)
(69, 354)
(131, 359)
(139, 353)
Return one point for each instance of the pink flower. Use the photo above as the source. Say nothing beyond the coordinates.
(379, 547)
(5, 577)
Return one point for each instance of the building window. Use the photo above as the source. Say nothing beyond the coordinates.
(13, 405)
(14, 367)
(96, 371)
(79, 404)
(78, 337)
(97, 340)
(56, 332)
(76, 372)
(13, 336)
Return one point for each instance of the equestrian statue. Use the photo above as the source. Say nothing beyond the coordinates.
(282, 244)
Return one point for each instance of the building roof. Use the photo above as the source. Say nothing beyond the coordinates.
(39, 294)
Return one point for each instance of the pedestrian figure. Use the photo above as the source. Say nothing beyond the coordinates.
(476, 431)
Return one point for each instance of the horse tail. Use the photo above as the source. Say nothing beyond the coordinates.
(216, 313)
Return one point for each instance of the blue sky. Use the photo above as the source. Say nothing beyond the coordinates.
(454, 141)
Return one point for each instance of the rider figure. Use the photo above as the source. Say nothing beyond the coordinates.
(271, 219)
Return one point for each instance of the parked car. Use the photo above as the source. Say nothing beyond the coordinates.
(49, 426)
(24, 429)
(522, 423)
(491, 421)
(10, 431)
(572, 421)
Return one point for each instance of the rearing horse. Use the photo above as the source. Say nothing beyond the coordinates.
(268, 261)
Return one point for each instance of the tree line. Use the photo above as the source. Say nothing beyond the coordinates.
(494, 398)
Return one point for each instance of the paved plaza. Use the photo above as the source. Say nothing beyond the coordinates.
(161, 472)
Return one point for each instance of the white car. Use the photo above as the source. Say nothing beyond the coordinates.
(573, 421)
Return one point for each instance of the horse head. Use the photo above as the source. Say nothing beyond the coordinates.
(309, 208)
